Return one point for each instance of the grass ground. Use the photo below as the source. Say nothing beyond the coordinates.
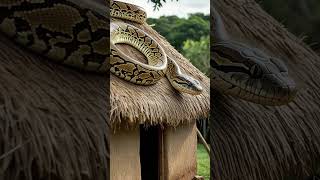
(203, 162)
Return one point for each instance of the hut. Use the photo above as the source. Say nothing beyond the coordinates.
(154, 127)
(255, 142)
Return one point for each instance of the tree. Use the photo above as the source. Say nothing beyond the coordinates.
(158, 3)
(177, 30)
(198, 52)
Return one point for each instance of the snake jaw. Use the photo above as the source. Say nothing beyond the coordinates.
(259, 78)
(268, 91)
(186, 84)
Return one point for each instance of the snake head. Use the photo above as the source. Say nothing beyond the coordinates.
(186, 84)
(250, 74)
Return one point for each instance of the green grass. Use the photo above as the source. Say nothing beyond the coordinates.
(203, 162)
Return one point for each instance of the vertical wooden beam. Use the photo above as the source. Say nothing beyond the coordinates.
(203, 141)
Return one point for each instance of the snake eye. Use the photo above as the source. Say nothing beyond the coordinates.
(256, 71)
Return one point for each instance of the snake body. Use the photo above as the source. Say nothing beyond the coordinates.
(72, 32)
(248, 73)
(76, 33)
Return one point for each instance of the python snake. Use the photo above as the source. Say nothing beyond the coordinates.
(72, 32)
(77, 33)
(247, 73)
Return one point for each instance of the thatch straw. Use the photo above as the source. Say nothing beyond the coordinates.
(250, 141)
(53, 120)
(159, 103)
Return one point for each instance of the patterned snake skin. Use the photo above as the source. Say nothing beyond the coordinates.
(72, 32)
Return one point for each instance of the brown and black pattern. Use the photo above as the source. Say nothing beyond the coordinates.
(127, 11)
(133, 70)
(61, 30)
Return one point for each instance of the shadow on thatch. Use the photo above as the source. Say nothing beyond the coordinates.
(251, 141)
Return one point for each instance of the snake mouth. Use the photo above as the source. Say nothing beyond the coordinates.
(195, 90)
(256, 90)
(186, 84)
(270, 100)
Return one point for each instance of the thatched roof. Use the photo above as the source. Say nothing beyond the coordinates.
(251, 141)
(159, 103)
(53, 120)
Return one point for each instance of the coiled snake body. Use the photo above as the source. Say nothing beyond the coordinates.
(76, 33)
(247, 73)
(72, 32)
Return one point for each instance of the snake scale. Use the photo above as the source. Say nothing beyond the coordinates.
(77, 33)
(247, 73)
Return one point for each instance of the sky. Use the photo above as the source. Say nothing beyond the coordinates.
(181, 8)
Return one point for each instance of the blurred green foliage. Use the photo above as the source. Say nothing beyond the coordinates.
(177, 30)
(301, 17)
(203, 162)
(190, 36)
(198, 52)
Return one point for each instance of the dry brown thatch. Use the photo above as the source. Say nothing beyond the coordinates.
(159, 103)
(53, 120)
(251, 141)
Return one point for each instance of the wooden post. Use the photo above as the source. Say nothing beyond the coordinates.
(203, 141)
